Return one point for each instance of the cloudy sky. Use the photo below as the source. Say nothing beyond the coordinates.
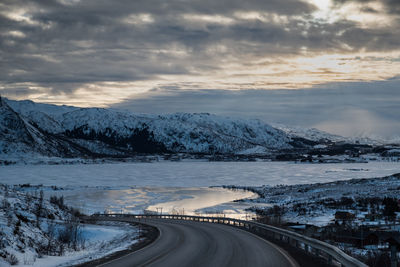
(331, 64)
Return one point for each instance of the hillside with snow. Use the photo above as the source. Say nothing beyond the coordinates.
(35, 231)
(319, 135)
(28, 128)
(115, 132)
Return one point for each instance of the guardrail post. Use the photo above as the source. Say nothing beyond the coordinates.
(393, 255)
(330, 259)
(317, 252)
(306, 248)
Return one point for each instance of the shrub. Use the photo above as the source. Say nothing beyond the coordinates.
(58, 201)
(12, 259)
(22, 218)
(16, 228)
(390, 207)
(71, 234)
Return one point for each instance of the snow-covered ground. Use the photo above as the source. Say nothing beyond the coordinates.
(312, 203)
(101, 240)
(33, 231)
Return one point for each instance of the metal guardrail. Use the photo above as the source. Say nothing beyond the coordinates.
(332, 254)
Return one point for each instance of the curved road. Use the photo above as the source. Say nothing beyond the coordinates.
(188, 243)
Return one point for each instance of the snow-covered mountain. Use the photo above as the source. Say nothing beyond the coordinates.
(64, 131)
(19, 136)
(112, 132)
(193, 133)
(14, 131)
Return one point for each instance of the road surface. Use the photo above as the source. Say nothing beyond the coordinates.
(189, 243)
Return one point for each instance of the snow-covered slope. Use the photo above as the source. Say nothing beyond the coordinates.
(41, 232)
(14, 133)
(113, 132)
(18, 135)
(29, 225)
(318, 135)
(210, 133)
(182, 132)
(21, 136)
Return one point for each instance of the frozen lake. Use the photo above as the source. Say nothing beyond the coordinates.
(182, 187)
(191, 174)
(182, 200)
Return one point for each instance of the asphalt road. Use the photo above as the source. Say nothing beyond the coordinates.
(188, 243)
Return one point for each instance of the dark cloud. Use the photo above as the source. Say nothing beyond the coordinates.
(19, 91)
(62, 45)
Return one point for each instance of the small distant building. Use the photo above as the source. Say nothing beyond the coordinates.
(305, 229)
(373, 216)
(371, 239)
(358, 238)
(344, 216)
(391, 237)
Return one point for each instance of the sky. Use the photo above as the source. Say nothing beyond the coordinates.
(329, 64)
